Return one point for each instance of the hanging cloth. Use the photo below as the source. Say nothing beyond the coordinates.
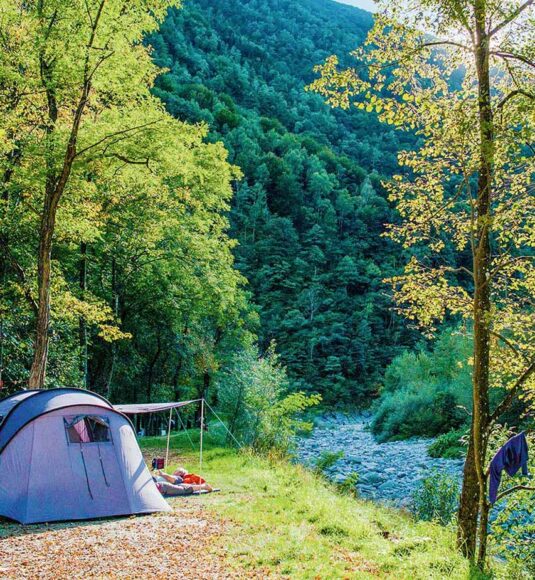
(509, 458)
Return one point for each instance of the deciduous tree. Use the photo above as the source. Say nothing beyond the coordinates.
(462, 76)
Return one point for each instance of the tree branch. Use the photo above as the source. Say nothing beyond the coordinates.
(511, 17)
(447, 42)
(112, 135)
(513, 94)
(130, 161)
(511, 56)
(510, 345)
(27, 292)
(506, 263)
(512, 489)
(513, 392)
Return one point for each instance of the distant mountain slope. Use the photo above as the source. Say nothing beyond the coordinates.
(309, 212)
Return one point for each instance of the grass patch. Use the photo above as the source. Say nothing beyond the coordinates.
(290, 522)
(449, 445)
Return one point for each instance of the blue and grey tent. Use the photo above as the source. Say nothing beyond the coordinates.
(68, 454)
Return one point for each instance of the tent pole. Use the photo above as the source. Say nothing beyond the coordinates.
(202, 430)
(168, 437)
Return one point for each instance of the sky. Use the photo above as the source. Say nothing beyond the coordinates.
(365, 4)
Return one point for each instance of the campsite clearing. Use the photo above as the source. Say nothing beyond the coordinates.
(271, 519)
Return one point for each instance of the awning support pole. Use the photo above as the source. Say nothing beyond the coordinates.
(168, 437)
(200, 440)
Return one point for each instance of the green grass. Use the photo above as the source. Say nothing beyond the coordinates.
(290, 522)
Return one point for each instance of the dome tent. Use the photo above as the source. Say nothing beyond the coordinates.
(67, 454)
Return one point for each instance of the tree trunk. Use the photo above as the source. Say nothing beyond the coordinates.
(115, 301)
(468, 506)
(38, 370)
(56, 181)
(176, 376)
(152, 365)
(482, 309)
(203, 395)
(82, 323)
(483, 531)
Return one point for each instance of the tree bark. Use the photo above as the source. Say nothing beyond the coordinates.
(468, 506)
(152, 364)
(473, 498)
(82, 323)
(115, 301)
(203, 394)
(48, 221)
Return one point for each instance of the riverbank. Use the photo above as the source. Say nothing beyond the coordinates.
(271, 519)
(283, 521)
(387, 472)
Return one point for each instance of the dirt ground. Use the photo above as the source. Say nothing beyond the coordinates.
(183, 543)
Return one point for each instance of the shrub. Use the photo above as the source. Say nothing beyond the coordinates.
(513, 531)
(326, 460)
(436, 498)
(253, 397)
(451, 445)
(426, 393)
(349, 485)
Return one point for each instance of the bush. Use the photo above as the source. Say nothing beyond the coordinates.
(326, 460)
(427, 393)
(451, 445)
(512, 531)
(436, 498)
(349, 485)
(253, 397)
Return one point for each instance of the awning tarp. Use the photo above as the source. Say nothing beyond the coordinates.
(140, 408)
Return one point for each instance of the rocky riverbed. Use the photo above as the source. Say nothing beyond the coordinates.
(388, 472)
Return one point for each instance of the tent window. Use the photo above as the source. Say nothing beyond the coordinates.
(87, 429)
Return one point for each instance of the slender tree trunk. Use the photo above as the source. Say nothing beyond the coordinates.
(115, 301)
(38, 370)
(83, 324)
(176, 376)
(4, 249)
(235, 415)
(482, 311)
(152, 364)
(203, 395)
(483, 531)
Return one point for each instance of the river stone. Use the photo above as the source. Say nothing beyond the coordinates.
(388, 471)
(373, 478)
(388, 487)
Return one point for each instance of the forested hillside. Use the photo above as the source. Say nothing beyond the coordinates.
(162, 258)
(309, 211)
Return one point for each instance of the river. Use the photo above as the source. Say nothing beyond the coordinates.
(388, 472)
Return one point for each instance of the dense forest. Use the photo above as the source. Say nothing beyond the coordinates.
(309, 211)
(153, 294)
